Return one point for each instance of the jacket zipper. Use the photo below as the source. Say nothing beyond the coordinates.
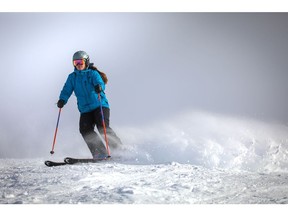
(86, 93)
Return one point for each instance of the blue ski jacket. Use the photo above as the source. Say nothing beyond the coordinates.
(83, 84)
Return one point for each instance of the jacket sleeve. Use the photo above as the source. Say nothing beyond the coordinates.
(67, 89)
(97, 79)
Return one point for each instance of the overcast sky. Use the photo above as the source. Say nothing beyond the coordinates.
(158, 65)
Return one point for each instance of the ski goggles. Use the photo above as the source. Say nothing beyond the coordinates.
(78, 62)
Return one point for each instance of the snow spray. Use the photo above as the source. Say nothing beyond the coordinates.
(210, 140)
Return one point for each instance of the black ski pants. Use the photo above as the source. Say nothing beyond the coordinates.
(87, 124)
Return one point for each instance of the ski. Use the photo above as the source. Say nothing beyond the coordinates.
(69, 160)
(53, 163)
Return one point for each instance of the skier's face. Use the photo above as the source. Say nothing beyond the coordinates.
(79, 64)
(80, 67)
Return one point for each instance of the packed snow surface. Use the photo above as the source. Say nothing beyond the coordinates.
(204, 159)
(29, 181)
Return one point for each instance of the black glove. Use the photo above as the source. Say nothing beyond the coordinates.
(98, 88)
(60, 103)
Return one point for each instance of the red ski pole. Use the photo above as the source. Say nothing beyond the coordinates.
(55, 134)
(104, 126)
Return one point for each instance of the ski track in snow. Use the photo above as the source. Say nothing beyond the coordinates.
(30, 181)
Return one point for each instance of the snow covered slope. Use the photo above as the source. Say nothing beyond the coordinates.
(30, 181)
(201, 159)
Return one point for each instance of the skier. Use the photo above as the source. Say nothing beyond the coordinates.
(87, 82)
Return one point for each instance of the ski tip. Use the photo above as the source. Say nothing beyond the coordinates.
(53, 163)
(68, 160)
(48, 163)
